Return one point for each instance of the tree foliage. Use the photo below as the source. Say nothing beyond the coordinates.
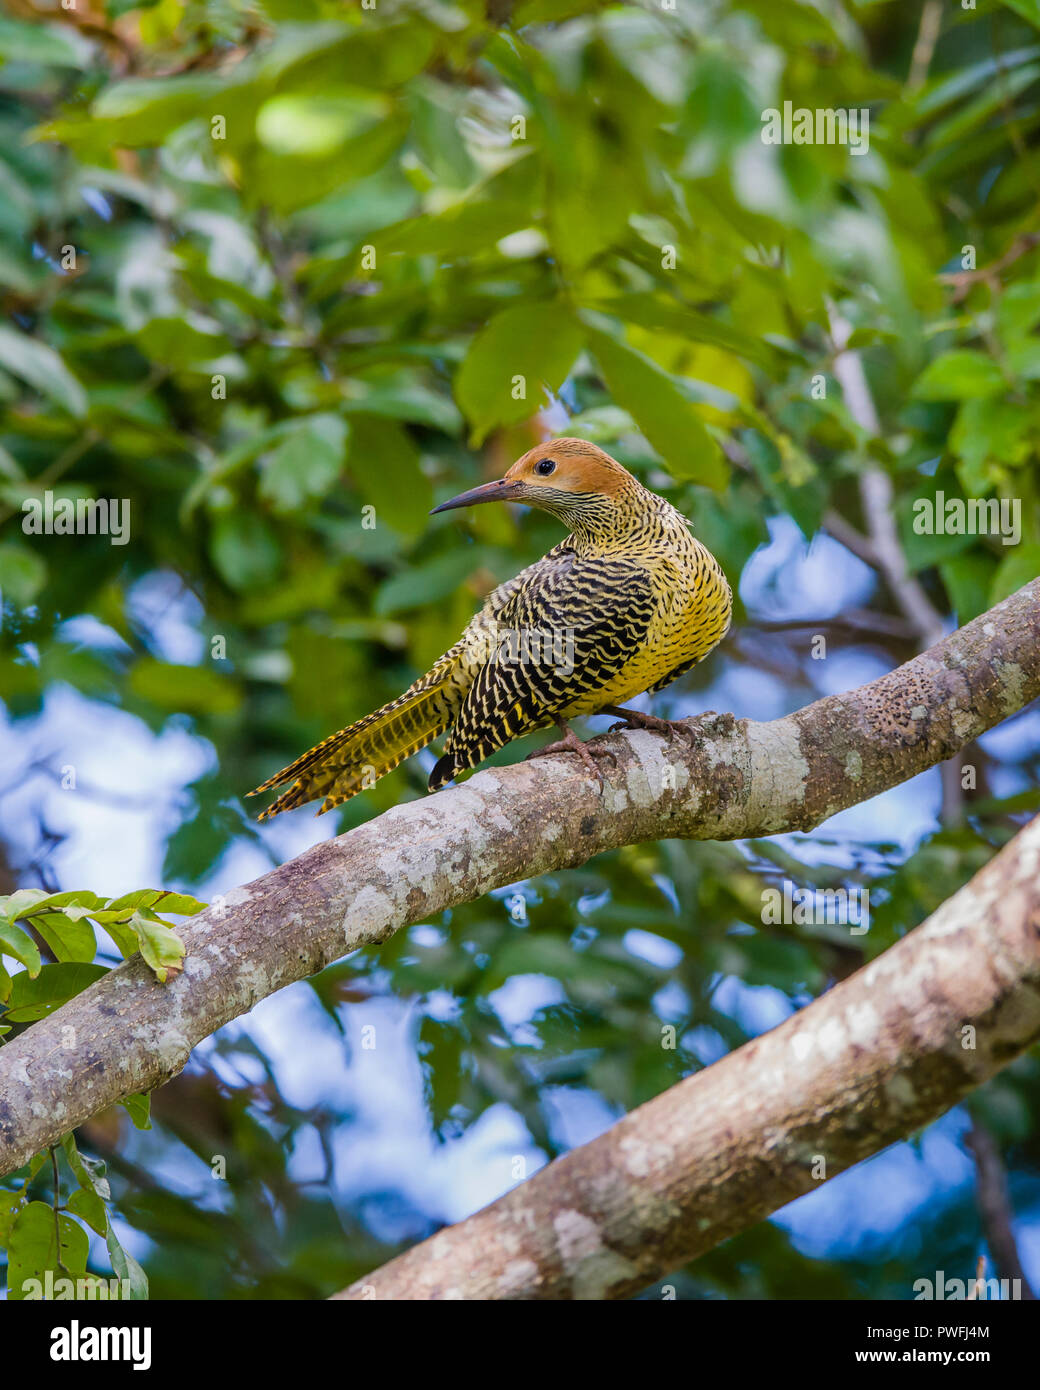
(285, 274)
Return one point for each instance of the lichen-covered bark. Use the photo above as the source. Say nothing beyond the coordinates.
(126, 1033)
(881, 1054)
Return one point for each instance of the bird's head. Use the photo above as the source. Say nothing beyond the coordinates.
(569, 477)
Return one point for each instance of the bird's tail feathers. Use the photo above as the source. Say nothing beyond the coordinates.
(358, 756)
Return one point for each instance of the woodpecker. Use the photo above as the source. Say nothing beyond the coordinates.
(625, 603)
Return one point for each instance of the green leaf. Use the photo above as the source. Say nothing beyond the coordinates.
(10, 1203)
(124, 938)
(1018, 311)
(141, 111)
(177, 343)
(75, 897)
(1016, 569)
(305, 464)
(21, 902)
(385, 467)
(124, 1266)
(720, 109)
(186, 689)
(308, 126)
(960, 375)
(926, 513)
(331, 56)
(231, 462)
(407, 400)
(245, 550)
(969, 118)
(38, 1242)
(181, 904)
(160, 945)
(466, 229)
(22, 573)
(582, 223)
(768, 455)
(666, 416)
(40, 367)
(989, 435)
(951, 87)
(1028, 9)
(426, 583)
(138, 1108)
(90, 1208)
(16, 943)
(288, 182)
(515, 363)
(36, 997)
(90, 1172)
(70, 938)
(46, 44)
(656, 312)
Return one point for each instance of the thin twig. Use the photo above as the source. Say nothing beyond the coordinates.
(963, 280)
(924, 48)
(994, 1204)
(57, 1204)
(854, 541)
(876, 495)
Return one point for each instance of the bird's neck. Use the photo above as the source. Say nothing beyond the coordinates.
(613, 525)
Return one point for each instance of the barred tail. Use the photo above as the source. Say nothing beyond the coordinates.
(355, 758)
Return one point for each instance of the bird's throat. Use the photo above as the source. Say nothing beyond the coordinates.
(620, 524)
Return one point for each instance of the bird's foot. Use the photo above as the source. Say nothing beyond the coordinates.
(635, 719)
(571, 743)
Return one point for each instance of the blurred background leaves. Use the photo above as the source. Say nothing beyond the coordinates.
(270, 272)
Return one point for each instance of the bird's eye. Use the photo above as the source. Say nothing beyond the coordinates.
(545, 467)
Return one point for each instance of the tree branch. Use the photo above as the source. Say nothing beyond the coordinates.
(874, 1059)
(995, 1211)
(876, 496)
(735, 778)
(876, 492)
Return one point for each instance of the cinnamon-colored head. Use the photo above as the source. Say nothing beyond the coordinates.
(562, 476)
(568, 465)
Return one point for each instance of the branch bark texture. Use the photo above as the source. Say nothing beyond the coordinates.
(736, 778)
(878, 1056)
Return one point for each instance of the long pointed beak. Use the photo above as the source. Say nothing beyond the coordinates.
(501, 490)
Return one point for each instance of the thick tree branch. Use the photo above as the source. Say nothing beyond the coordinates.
(874, 1059)
(736, 778)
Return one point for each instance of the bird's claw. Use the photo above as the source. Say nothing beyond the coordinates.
(665, 727)
(587, 752)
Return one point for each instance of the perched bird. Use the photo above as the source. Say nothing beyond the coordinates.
(627, 602)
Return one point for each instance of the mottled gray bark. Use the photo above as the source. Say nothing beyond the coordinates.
(878, 1056)
(737, 778)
